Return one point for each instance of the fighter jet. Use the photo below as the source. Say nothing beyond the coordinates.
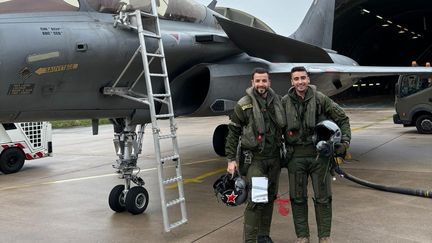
(58, 58)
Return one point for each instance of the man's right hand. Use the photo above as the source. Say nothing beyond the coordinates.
(232, 166)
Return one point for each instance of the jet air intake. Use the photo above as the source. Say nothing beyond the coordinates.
(210, 89)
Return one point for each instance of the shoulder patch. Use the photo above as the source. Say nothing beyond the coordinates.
(245, 100)
(247, 106)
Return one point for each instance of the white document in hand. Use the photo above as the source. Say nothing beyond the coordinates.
(259, 189)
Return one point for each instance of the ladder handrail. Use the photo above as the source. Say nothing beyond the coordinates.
(150, 99)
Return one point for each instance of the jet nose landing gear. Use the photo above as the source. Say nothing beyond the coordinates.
(128, 145)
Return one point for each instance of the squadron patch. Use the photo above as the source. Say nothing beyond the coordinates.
(247, 106)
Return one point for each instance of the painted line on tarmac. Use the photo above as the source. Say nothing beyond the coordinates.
(55, 182)
(113, 174)
(369, 125)
(198, 179)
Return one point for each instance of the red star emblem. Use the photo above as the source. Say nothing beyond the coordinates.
(231, 198)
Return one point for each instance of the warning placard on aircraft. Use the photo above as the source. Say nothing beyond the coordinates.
(20, 89)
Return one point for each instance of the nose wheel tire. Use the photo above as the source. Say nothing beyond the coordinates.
(136, 200)
(116, 199)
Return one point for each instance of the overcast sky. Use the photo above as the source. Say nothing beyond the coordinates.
(283, 16)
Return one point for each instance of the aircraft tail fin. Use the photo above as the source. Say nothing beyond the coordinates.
(270, 46)
(317, 26)
(212, 5)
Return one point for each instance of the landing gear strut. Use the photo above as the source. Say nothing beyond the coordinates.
(128, 145)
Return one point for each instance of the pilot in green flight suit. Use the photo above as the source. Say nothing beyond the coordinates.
(258, 118)
(304, 108)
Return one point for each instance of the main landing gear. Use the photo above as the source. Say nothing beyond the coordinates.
(219, 139)
(128, 145)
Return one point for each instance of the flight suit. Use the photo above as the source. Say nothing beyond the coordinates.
(302, 116)
(265, 150)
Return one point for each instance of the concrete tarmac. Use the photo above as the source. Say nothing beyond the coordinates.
(65, 198)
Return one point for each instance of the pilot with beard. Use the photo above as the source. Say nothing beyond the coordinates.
(258, 120)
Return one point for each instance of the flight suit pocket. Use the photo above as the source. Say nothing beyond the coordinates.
(249, 137)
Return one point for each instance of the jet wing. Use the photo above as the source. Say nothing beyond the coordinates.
(332, 79)
(365, 71)
(351, 72)
(272, 47)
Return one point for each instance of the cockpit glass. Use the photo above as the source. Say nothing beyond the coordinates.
(182, 10)
(178, 10)
(25, 6)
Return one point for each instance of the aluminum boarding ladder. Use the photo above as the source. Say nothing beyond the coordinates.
(134, 20)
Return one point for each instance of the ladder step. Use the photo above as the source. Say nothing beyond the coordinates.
(178, 223)
(167, 136)
(172, 180)
(152, 35)
(161, 95)
(158, 75)
(154, 55)
(172, 157)
(164, 115)
(175, 201)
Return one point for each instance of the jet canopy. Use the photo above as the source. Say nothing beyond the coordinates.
(26, 6)
(177, 10)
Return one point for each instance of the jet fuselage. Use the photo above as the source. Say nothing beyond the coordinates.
(54, 65)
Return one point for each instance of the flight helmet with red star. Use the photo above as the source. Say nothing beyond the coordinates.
(231, 190)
